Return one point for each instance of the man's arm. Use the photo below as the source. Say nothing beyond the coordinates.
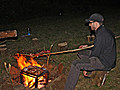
(98, 47)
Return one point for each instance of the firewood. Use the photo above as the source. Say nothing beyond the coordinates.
(5, 64)
(3, 45)
(3, 42)
(9, 67)
(8, 33)
(62, 44)
(3, 49)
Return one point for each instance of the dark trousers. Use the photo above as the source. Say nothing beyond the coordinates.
(84, 63)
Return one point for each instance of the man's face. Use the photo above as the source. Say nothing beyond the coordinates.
(93, 25)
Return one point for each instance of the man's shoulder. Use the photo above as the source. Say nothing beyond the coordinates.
(107, 32)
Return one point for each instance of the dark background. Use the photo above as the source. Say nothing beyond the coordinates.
(16, 10)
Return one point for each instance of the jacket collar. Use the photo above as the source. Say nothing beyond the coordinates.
(98, 30)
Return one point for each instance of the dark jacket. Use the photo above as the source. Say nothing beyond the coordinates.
(105, 47)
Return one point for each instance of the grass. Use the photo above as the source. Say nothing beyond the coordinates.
(57, 29)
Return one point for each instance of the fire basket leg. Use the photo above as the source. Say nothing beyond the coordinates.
(46, 76)
(21, 78)
(36, 82)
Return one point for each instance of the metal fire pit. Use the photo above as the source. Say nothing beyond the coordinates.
(43, 72)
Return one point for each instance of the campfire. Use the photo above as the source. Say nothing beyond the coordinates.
(32, 74)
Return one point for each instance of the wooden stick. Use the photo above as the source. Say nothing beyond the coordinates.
(8, 70)
(79, 49)
(67, 51)
(5, 64)
(3, 49)
(9, 67)
(117, 37)
(48, 56)
(2, 42)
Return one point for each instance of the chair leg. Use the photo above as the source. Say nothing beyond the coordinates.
(103, 81)
(98, 78)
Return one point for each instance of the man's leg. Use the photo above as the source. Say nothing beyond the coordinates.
(82, 64)
(74, 73)
(84, 53)
(72, 78)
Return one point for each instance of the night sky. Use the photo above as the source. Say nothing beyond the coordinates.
(18, 9)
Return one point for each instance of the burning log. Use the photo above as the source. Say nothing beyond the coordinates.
(8, 33)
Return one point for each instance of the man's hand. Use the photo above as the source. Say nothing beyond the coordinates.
(83, 46)
(85, 73)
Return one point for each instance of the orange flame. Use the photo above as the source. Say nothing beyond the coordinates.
(22, 63)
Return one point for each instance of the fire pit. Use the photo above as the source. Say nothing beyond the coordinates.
(32, 74)
(34, 77)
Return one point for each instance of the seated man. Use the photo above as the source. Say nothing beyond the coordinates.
(101, 57)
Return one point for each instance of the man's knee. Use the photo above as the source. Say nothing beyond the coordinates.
(81, 61)
(85, 52)
(75, 62)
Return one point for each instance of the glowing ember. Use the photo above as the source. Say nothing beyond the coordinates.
(32, 74)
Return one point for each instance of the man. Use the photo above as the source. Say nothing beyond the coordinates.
(101, 57)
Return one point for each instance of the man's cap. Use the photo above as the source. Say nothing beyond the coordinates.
(95, 17)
